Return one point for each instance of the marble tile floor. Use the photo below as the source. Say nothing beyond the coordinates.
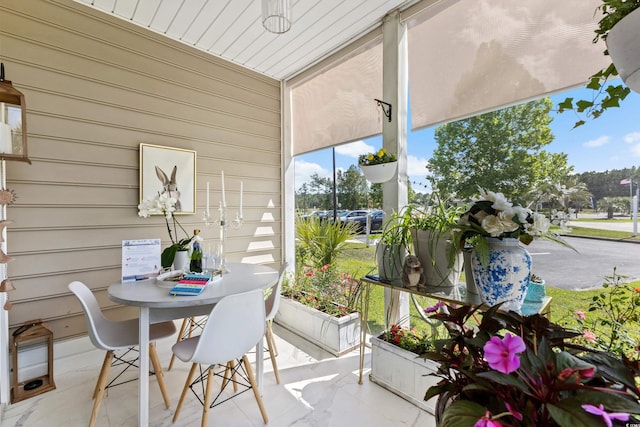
(316, 390)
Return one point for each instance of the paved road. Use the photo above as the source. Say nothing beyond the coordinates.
(564, 268)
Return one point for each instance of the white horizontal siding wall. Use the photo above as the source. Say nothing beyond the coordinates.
(97, 87)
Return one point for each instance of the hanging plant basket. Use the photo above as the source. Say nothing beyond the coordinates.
(623, 44)
(382, 172)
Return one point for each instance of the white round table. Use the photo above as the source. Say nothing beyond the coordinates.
(157, 305)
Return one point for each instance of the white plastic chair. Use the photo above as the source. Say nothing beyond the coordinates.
(234, 326)
(271, 305)
(112, 335)
(189, 326)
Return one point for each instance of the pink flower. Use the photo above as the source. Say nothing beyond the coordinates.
(581, 315)
(501, 354)
(608, 417)
(589, 336)
(517, 415)
(486, 421)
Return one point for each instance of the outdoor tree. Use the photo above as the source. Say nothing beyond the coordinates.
(563, 195)
(321, 190)
(500, 151)
(352, 188)
(608, 183)
(302, 198)
(375, 196)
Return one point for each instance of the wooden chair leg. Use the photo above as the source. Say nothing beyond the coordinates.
(102, 381)
(272, 356)
(173, 356)
(229, 369)
(102, 369)
(207, 397)
(157, 367)
(225, 377)
(254, 386)
(190, 376)
(233, 375)
(269, 328)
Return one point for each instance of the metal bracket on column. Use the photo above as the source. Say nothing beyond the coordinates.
(386, 108)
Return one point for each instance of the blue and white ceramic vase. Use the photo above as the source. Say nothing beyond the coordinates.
(506, 277)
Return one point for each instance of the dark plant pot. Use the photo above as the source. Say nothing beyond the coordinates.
(443, 401)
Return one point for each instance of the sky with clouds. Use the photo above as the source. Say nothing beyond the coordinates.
(609, 142)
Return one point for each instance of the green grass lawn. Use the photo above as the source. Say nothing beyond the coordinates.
(594, 232)
(612, 220)
(360, 260)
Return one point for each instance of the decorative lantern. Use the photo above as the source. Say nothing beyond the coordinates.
(13, 122)
(32, 332)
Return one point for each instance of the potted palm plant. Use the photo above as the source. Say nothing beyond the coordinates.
(319, 301)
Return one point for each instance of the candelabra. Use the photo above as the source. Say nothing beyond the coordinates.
(236, 223)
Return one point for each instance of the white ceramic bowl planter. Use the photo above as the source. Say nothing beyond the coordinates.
(623, 44)
(379, 173)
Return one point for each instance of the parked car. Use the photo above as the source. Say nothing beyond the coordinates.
(377, 217)
(376, 221)
(349, 215)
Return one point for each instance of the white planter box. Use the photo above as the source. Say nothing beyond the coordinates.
(403, 373)
(335, 335)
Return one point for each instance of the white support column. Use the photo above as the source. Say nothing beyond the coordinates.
(288, 182)
(394, 138)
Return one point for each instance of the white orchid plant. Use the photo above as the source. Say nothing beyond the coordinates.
(164, 205)
(492, 215)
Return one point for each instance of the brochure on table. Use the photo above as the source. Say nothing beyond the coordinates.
(140, 259)
(191, 284)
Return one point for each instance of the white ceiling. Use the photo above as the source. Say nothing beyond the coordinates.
(232, 29)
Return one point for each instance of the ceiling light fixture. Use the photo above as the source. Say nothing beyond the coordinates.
(276, 15)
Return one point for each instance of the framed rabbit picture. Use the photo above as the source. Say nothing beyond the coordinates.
(169, 171)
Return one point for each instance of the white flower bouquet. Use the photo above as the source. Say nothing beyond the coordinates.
(492, 215)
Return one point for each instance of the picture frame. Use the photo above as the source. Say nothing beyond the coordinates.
(171, 170)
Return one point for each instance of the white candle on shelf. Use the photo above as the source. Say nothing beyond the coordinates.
(208, 214)
(241, 184)
(224, 201)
